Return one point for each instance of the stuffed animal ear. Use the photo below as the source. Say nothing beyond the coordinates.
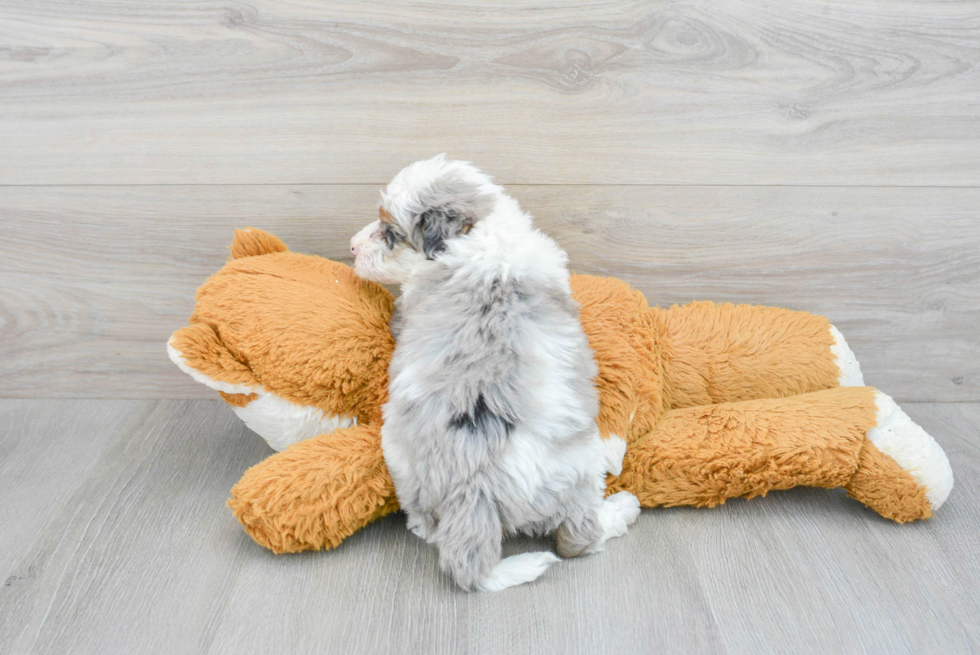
(251, 242)
(199, 351)
(450, 207)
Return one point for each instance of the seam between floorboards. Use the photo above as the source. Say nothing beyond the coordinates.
(510, 184)
(215, 400)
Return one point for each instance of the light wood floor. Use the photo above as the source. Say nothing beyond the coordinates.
(115, 539)
(822, 155)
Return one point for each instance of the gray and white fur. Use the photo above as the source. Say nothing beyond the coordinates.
(490, 428)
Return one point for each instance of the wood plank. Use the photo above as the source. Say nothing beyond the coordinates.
(33, 435)
(143, 552)
(545, 92)
(93, 280)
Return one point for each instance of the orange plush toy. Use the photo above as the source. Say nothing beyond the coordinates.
(709, 402)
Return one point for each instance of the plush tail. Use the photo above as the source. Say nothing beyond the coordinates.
(468, 535)
(251, 242)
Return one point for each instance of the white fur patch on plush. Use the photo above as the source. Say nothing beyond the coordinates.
(280, 422)
(177, 358)
(518, 569)
(850, 370)
(913, 449)
(615, 450)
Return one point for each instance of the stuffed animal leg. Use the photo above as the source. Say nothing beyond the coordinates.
(321, 490)
(721, 353)
(851, 437)
(652, 359)
(317, 492)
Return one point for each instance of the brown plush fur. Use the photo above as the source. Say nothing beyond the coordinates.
(728, 353)
(714, 401)
(885, 487)
(316, 493)
(304, 327)
(704, 455)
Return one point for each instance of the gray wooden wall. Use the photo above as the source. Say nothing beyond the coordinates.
(822, 156)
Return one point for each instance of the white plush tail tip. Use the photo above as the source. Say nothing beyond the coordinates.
(850, 371)
(518, 569)
(913, 449)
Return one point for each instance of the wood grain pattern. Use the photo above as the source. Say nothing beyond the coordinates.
(815, 155)
(622, 91)
(118, 564)
(124, 544)
(95, 279)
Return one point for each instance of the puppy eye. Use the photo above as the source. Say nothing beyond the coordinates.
(391, 236)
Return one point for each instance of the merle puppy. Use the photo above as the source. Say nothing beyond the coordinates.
(490, 425)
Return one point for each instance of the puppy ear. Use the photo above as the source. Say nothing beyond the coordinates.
(435, 228)
(450, 207)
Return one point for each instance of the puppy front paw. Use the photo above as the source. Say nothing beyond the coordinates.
(421, 525)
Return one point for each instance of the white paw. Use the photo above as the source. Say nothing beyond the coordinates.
(615, 450)
(617, 513)
(850, 370)
(912, 448)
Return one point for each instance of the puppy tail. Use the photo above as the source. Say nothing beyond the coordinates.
(517, 569)
(468, 534)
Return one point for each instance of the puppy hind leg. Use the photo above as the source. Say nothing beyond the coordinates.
(617, 513)
(468, 534)
(577, 535)
(588, 533)
(421, 524)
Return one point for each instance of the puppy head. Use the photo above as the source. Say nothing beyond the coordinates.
(425, 207)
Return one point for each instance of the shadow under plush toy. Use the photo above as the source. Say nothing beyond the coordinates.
(709, 401)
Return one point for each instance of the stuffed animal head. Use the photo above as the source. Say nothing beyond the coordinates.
(297, 344)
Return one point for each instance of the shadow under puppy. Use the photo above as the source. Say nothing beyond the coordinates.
(490, 427)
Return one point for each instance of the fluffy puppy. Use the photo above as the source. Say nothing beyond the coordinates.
(490, 425)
